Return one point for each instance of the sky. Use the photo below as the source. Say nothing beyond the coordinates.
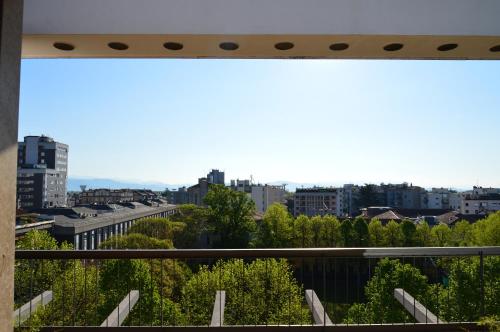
(430, 123)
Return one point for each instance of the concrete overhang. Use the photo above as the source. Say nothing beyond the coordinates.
(373, 29)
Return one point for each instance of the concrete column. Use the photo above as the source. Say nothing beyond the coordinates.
(11, 14)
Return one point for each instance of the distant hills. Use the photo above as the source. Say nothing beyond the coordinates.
(91, 183)
(74, 184)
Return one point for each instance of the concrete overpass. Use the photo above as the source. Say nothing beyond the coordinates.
(349, 29)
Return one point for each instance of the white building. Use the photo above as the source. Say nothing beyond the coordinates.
(266, 195)
(480, 204)
(441, 198)
(319, 201)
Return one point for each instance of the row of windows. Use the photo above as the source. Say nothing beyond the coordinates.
(26, 189)
(25, 181)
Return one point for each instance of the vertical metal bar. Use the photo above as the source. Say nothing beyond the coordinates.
(437, 289)
(96, 290)
(481, 280)
(161, 291)
(414, 298)
(151, 289)
(347, 281)
(312, 281)
(369, 277)
(404, 298)
(335, 295)
(267, 290)
(220, 297)
(129, 296)
(85, 319)
(31, 288)
(358, 278)
(74, 290)
(324, 292)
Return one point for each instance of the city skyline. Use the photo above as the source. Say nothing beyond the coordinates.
(423, 122)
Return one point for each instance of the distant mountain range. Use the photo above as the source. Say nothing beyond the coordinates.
(91, 183)
(74, 184)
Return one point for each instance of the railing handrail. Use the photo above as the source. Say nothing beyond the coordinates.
(258, 253)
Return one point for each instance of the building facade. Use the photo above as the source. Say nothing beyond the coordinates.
(266, 195)
(319, 201)
(215, 177)
(41, 173)
(241, 185)
(478, 203)
(104, 196)
(179, 196)
(197, 193)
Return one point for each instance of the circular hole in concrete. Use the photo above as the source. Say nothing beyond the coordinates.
(63, 46)
(283, 46)
(229, 46)
(447, 47)
(339, 46)
(393, 47)
(173, 46)
(495, 48)
(118, 46)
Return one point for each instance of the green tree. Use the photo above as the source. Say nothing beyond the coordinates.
(135, 241)
(376, 233)
(263, 291)
(486, 231)
(275, 230)
(394, 236)
(159, 228)
(119, 277)
(361, 234)
(331, 235)
(230, 215)
(317, 230)
(381, 306)
(462, 234)
(32, 277)
(302, 232)
(424, 237)
(442, 235)
(195, 219)
(347, 230)
(409, 233)
(75, 297)
(368, 196)
(461, 301)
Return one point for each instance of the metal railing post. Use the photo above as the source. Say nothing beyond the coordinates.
(481, 280)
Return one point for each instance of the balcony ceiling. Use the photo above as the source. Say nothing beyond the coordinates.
(408, 29)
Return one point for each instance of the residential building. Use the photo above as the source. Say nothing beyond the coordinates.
(480, 202)
(41, 173)
(241, 185)
(319, 201)
(439, 198)
(179, 196)
(266, 195)
(351, 199)
(403, 195)
(215, 177)
(197, 193)
(104, 196)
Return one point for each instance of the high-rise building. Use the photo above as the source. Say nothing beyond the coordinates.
(215, 177)
(41, 173)
(266, 195)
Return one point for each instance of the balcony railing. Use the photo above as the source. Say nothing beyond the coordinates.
(371, 289)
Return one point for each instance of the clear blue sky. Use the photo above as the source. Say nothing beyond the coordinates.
(433, 123)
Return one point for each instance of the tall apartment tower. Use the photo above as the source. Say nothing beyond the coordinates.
(215, 177)
(41, 173)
